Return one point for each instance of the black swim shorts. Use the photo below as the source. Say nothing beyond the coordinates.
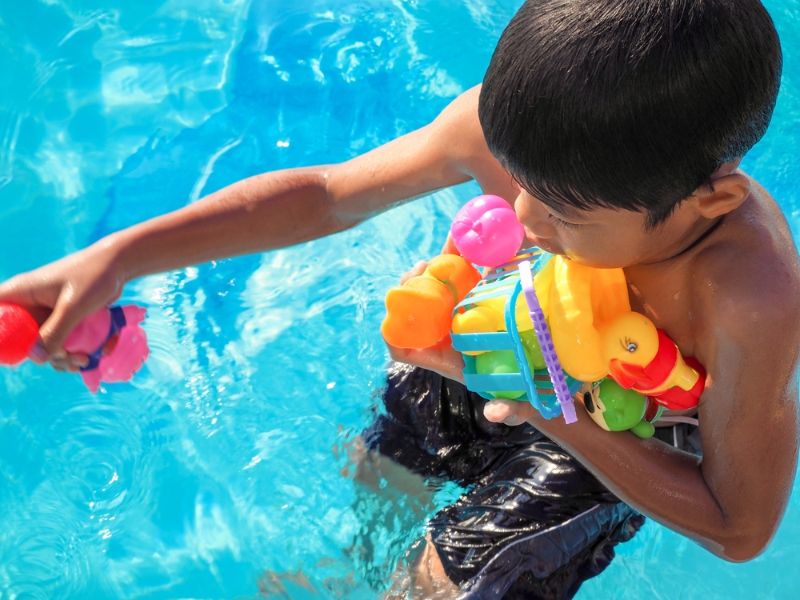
(534, 523)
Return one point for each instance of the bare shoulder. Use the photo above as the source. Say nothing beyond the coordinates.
(460, 126)
(749, 272)
(746, 282)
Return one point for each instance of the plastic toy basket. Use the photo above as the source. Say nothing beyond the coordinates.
(504, 281)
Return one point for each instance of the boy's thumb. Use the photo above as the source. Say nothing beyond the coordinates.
(450, 246)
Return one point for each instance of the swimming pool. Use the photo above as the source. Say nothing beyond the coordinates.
(218, 472)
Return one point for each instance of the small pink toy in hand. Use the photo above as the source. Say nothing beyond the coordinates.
(111, 337)
(115, 343)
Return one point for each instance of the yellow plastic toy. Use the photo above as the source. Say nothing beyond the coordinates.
(595, 334)
(583, 302)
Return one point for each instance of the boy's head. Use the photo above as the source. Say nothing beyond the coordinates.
(600, 105)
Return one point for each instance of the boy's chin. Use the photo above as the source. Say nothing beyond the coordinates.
(600, 262)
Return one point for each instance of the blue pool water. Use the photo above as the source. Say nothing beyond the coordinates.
(222, 470)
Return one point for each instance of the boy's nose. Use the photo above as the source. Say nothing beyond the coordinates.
(533, 217)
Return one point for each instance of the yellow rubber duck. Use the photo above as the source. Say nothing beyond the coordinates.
(595, 333)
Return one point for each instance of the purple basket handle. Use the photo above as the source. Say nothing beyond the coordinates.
(546, 344)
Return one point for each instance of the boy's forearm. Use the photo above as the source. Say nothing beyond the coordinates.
(659, 481)
(260, 213)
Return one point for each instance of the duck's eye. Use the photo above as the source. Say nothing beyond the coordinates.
(631, 347)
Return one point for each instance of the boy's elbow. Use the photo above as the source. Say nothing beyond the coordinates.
(743, 552)
(742, 544)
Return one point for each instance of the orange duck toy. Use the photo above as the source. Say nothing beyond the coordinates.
(419, 312)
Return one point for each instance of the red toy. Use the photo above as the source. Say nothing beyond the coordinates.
(652, 379)
(18, 333)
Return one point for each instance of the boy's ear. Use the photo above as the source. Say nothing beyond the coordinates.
(725, 192)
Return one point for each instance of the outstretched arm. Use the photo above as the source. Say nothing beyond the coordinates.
(260, 213)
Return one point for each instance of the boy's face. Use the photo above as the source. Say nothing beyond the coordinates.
(601, 237)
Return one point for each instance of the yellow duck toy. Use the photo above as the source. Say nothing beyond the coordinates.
(595, 333)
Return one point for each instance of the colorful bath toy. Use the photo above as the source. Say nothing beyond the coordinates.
(486, 231)
(18, 333)
(645, 359)
(537, 325)
(583, 300)
(596, 334)
(545, 339)
(499, 362)
(616, 409)
(115, 343)
(419, 312)
(520, 337)
(112, 338)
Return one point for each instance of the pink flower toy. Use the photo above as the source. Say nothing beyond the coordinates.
(115, 342)
(486, 231)
(112, 338)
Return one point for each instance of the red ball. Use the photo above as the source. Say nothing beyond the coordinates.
(18, 333)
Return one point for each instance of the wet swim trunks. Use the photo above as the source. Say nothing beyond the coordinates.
(535, 523)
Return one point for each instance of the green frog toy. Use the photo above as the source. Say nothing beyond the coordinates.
(616, 409)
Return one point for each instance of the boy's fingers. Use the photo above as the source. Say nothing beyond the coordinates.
(38, 354)
(418, 358)
(10, 291)
(508, 412)
(417, 269)
(79, 360)
(56, 328)
(441, 358)
(61, 361)
(449, 246)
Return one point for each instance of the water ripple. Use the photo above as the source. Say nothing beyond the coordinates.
(221, 463)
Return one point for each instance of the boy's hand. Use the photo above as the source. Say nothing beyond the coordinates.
(440, 358)
(61, 294)
(449, 246)
(510, 412)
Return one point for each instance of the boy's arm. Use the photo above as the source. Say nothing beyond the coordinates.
(264, 212)
(732, 500)
(283, 208)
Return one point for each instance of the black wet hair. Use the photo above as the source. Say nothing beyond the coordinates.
(629, 104)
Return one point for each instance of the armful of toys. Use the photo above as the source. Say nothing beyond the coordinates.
(587, 340)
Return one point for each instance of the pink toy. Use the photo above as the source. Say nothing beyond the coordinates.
(486, 231)
(115, 343)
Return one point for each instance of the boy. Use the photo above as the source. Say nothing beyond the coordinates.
(617, 127)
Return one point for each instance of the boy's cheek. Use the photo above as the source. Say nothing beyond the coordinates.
(599, 253)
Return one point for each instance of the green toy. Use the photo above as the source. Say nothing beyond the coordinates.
(495, 362)
(504, 361)
(532, 350)
(616, 409)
